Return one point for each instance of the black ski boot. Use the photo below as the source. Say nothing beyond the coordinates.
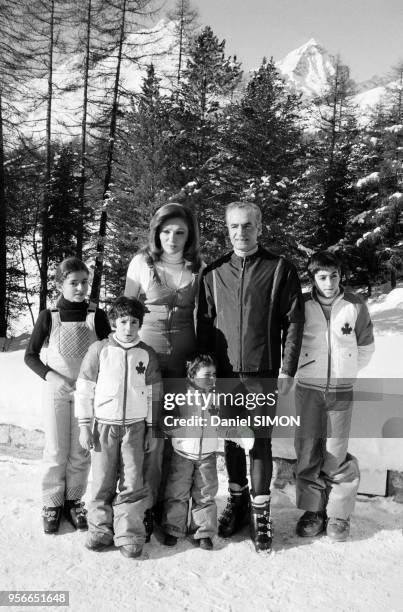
(76, 514)
(149, 523)
(235, 514)
(51, 516)
(260, 526)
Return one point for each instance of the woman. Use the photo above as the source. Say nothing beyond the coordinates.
(165, 277)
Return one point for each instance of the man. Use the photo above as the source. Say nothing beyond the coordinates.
(250, 317)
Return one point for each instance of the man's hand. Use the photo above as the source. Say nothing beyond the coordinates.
(59, 383)
(150, 442)
(86, 438)
(284, 383)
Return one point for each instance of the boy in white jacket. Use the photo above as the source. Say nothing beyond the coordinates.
(118, 387)
(193, 470)
(337, 342)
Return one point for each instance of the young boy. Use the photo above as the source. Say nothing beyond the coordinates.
(337, 342)
(193, 469)
(118, 384)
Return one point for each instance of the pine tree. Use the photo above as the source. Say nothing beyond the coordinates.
(206, 87)
(261, 151)
(185, 18)
(337, 131)
(141, 170)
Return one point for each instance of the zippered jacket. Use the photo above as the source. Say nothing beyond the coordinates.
(251, 314)
(333, 351)
(202, 439)
(118, 385)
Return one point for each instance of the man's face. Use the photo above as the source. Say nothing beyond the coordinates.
(327, 282)
(243, 229)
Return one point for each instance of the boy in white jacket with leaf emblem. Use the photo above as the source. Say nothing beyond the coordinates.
(337, 342)
(117, 402)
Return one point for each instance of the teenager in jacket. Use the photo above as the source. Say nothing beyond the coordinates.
(338, 341)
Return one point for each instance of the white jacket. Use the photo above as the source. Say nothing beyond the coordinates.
(118, 385)
(333, 351)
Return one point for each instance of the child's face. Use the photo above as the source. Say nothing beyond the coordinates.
(127, 328)
(205, 377)
(75, 286)
(327, 282)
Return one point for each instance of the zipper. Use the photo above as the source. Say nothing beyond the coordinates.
(240, 314)
(125, 390)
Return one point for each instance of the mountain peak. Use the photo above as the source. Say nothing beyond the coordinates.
(308, 67)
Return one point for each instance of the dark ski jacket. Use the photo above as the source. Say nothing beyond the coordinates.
(251, 314)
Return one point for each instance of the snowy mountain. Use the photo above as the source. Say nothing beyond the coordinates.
(308, 68)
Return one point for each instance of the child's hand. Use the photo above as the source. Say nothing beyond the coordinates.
(59, 383)
(150, 442)
(86, 438)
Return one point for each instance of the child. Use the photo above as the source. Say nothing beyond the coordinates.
(115, 387)
(193, 470)
(337, 342)
(70, 327)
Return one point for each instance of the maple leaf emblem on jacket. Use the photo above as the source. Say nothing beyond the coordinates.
(346, 329)
(140, 367)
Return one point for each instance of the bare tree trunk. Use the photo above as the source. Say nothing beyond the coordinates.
(3, 235)
(96, 283)
(81, 193)
(43, 292)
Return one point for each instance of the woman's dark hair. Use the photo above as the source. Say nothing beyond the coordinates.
(67, 266)
(191, 251)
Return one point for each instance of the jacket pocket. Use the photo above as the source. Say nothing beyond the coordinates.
(303, 365)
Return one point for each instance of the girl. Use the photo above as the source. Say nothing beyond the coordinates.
(69, 328)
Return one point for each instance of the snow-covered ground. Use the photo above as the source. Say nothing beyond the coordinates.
(363, 573)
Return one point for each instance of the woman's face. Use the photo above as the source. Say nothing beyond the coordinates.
(173, 235)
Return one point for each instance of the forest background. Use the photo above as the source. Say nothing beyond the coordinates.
(196, 130)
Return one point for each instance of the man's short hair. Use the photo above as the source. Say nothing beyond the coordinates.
(127, 306)
(198, 361)
(323, 260)
(245, 206)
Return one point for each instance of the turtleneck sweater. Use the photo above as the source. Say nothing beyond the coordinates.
(246, 253)
(69, 312)
(326, 303)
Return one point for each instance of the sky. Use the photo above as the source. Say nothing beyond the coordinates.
(368, 34)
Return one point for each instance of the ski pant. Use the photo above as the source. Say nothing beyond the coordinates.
(65, 463)
(327, 475)
(117, 462)
(261, 461)
(195, 480)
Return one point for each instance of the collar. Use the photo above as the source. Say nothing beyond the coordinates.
(125, 345)
(326, 301)
(243, 255)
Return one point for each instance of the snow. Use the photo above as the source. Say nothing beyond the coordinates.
(362, 574)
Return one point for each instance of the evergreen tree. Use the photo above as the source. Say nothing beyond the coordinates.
(185, 18)
(337, 131)
(261, 151)
(141, 168)
(205, 90)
